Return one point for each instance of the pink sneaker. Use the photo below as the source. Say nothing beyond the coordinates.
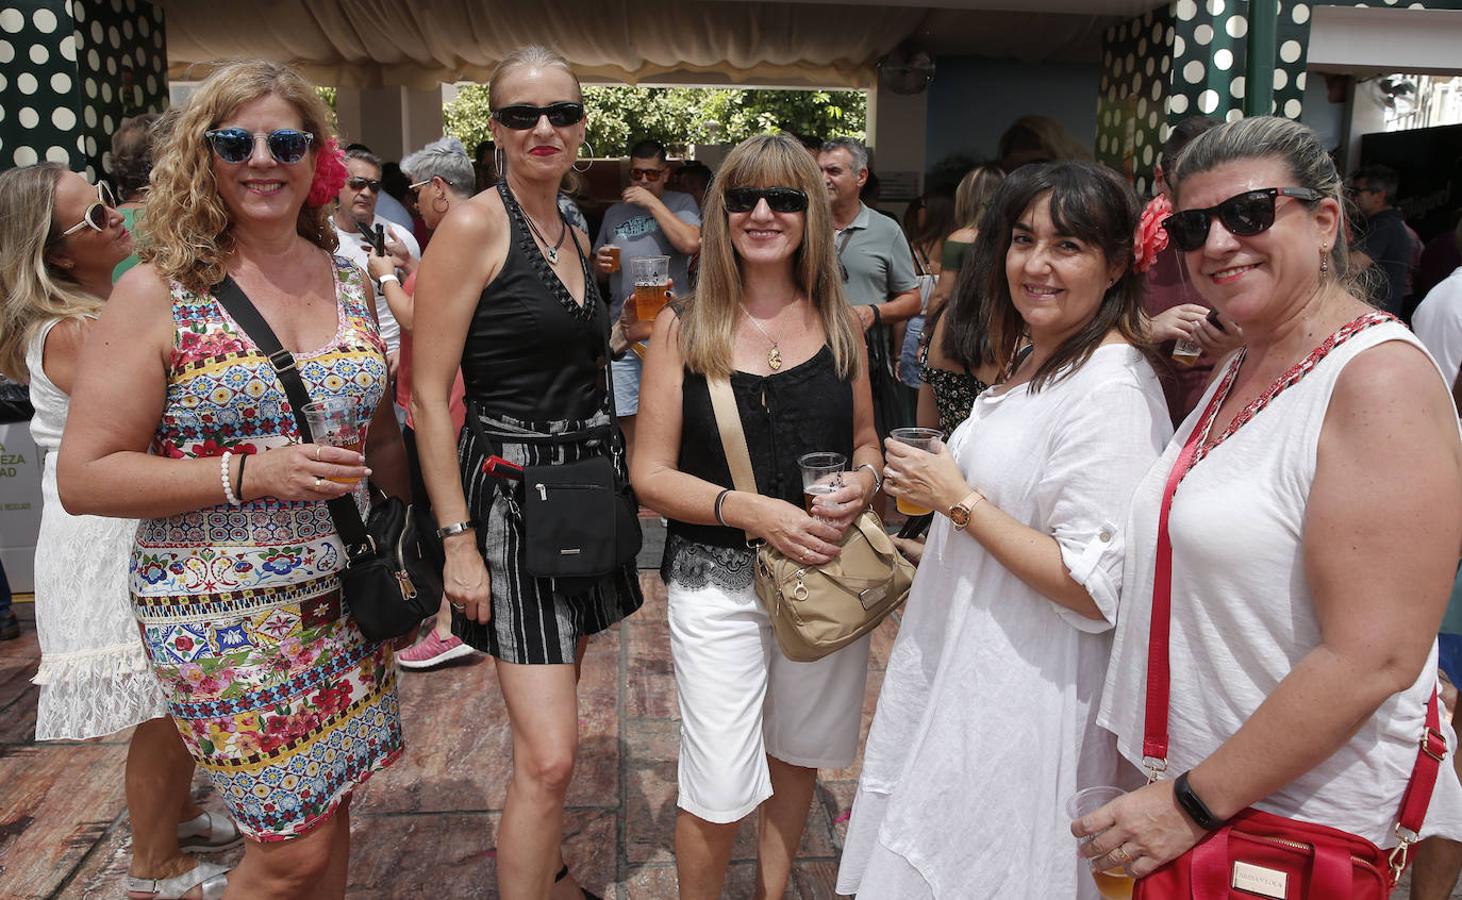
(433, 651)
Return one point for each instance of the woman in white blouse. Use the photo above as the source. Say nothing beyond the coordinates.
(986, 721)
(1314, 539)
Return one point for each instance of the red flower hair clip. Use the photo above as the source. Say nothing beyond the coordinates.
(1151, 238)
(330, 174)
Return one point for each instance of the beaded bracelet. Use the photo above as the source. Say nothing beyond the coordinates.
(228, 489)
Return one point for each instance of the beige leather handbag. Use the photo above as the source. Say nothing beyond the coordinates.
(816, 609)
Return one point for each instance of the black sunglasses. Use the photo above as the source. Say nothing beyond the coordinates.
(357, 182)
(1244, 215)
(235, 145)
(779, 199)
(523, 116)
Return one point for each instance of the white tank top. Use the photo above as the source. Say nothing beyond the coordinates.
(1243, 614)
(51, 403)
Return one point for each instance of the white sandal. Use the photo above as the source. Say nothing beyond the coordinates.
(208, 834)
(210, 878)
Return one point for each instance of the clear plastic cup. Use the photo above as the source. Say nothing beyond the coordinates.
(822, 473)
(334, 423)
(651, 276)
(920, 439)
(1113, 884)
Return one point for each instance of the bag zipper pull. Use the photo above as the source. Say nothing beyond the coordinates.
(542, 491)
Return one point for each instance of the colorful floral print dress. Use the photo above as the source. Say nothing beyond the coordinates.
(276, 693)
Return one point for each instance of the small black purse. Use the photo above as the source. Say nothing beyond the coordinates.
(389, 582)
(580, 519)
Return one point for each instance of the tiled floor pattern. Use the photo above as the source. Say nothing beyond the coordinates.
(425, 826)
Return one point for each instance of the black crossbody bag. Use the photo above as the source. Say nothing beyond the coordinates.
(389, 582)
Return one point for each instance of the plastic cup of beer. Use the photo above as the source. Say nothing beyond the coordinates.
(613, 252)
(1113, 884)
(651, 275)
(822, 473)
(333, 423)
(1186, 353)
(920, 439)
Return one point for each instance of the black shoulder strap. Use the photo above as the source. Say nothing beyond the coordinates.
(342, 509)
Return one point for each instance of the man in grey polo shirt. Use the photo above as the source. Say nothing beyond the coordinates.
(877, 267)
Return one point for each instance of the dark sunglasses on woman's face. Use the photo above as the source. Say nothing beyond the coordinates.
(235, 145)
(359, 183)
(97, 212)
(1244, 215)
(779, 199)
(522, 116)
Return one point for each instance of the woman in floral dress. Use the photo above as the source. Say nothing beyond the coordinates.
(181, 421)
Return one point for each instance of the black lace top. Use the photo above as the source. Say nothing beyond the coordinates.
(799, 410)
(954, 392)
(532, 353)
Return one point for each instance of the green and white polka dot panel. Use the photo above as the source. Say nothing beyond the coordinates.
(1188, 58)
(70, 72)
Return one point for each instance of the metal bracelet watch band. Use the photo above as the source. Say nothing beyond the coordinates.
(447, 531)
(1191, 804)
(872, 470)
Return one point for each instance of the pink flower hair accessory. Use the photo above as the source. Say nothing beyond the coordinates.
(1151, 237)
(330, 174)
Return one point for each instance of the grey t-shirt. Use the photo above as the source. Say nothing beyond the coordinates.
(877, 258)
(635, 232)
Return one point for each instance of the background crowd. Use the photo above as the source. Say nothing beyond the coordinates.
(1233, 357)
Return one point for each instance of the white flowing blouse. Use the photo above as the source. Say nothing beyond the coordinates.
(986, 720)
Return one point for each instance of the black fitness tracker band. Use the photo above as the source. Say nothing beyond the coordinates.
(1196, 809)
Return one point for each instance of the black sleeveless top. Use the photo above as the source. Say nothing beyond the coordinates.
(532, 353)
(799, 410)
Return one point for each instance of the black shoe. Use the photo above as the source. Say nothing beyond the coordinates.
(9, 627)
(564, 873)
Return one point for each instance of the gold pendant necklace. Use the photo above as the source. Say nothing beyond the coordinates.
(774, 355)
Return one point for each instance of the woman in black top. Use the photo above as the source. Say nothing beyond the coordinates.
(768, 314)
(505, 292)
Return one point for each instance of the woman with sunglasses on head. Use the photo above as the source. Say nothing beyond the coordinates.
(769, 315)
(506, 293)
(986, 721)
(442, 178)
(60, 238)
(181, 420)
(1313, 534)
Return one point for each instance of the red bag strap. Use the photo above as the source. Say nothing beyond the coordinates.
(1433, 745)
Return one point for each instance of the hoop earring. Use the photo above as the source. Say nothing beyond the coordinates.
(1324, 259)
(440, 205)
(588, 157)
(499, 162)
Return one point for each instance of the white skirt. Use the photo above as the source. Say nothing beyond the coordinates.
(94, 676)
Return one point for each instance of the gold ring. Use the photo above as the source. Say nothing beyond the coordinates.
(317, 453)
(317, 482)
(1122, 855)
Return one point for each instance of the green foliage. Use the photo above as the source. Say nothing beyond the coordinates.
(327, 94)
(620, 115)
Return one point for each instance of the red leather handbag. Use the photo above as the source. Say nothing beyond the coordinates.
(1257, 854)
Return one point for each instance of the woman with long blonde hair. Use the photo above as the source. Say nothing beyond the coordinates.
(182, 421)
(60, 237)
(769, 315)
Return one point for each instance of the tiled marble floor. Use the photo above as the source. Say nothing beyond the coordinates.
(427, 824)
